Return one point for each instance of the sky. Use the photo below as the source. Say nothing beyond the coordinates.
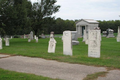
(88, 9)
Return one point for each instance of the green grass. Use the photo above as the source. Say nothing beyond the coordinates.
(95, 76)
(11, 75)
(110, 51)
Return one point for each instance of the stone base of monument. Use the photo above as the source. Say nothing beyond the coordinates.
(110, 35)
(75, 42)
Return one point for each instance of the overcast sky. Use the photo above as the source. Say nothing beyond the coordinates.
(88, 9)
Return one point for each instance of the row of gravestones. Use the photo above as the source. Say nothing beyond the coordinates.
(94, 43)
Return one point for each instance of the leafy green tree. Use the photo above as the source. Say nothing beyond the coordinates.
(40, 11)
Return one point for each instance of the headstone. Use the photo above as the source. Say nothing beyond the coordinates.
(36, 39)
(52, 43)
(74, 38)
(29, 40)
(104, 33)
(67, 43)
(0, 43)
(118, 36)
(7, 41)
(94, 43)
(31, 35)
(110, 33)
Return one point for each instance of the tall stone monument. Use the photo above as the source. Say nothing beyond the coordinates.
(94, 43)
(52, 43)
(0, 43)
(67, 43)
(118, 36)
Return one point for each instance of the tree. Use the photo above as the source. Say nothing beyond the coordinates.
(40, 11)
(14, 16)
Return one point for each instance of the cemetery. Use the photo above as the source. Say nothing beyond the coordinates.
(108, 56)
(35, 43)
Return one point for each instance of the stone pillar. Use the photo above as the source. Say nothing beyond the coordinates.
(86, 37)
(118, 36)
(94, 43)
(0, 43)
(67, 43)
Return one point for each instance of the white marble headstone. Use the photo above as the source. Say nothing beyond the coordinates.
(34, 36)
(7, 41)
(0, 43)
(36, 39)
(94, 43)
(52, 44)
(29, 40)
(67, 43)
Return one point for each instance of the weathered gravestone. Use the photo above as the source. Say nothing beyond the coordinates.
(0, 43)
(74, 38)
(67, 43)
(118, 36)
(110, 33)
(52, 43)
(7, 41)
(94, 43)
(104, 33)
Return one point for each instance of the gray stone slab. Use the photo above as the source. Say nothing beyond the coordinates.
(2, 55)
(48, 68)
(112, 75)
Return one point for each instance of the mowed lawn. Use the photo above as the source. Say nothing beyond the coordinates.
(110, 51)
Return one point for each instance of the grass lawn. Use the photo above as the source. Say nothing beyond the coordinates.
(110, 51)
(11, 75)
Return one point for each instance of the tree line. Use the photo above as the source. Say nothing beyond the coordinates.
(18, 17)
